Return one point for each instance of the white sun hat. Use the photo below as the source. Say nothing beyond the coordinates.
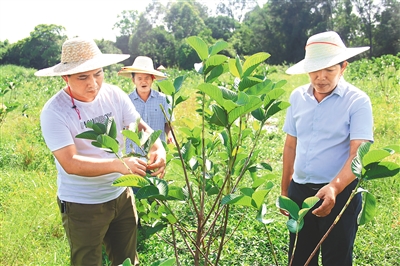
(324, 50)
(143, 65)
(81, 55)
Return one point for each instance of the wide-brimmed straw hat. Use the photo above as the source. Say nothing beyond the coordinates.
(81, 55)
(143, 65)
(324, 50)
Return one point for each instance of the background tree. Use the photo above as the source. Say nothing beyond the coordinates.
(222, 27)
(387, 32)
(127, 25)
(235, 9)
(40, 50)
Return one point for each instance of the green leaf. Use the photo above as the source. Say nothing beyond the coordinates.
(254, 103)
(168, 262)
(213, 61)
(253, 61)
(234, 199)
(151, 140)
(130, 181)
(161, 185)
(178, 83)
(277, 107)
(260, 88)
(356, 166)
(259, 114)
(199, 46)
(363, 149)
(271, 96)
(381, 170)
(394, 147)
(374, 156)
(219, 116)
(218, 47)
(238, 65)
(216, 94)
(112, 129)
(99, 128)
(181, 99)
(132, 136)
(108, 142)
(216, 72)
(294, 226)
(247, 191)
(243, 99)
(147, 192)
(248, 82)
(90, 134)
(310, 202)
(368, 210)
(289, 205)
(166, 86)
(259, 197)
(176, 193)
(127, 262)
(233, 69)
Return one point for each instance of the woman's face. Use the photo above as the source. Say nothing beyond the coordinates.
(325, 80)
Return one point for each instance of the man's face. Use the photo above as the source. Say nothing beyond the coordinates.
(86, 85)
(142, 82)
(325, 80)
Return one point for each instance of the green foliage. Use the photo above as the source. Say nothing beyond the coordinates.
(31, 229)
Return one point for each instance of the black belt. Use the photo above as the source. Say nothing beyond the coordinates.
(315, 186)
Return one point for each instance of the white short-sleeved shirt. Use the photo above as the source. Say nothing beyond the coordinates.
(60, 124)
(324, 130)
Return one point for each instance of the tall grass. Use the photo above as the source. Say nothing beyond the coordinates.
(30, 225)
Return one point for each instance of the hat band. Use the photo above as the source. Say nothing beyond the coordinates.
(321, 43)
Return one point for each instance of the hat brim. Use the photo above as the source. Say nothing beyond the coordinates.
(127, 72)
(99, 61)
(315, 64)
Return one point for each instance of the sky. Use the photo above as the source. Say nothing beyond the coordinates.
(89, 18)
(86, 18)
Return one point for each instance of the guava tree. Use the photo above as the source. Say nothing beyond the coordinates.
(218, 157)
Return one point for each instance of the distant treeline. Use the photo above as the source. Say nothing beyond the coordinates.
(279, 27)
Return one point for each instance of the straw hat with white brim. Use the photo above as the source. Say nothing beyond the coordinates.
(324, 50)
(80, 55)
(143, 65)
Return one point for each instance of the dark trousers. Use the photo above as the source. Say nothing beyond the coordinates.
(89, 226)
(337, 249)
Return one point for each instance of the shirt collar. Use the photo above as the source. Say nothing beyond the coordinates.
(136, 95)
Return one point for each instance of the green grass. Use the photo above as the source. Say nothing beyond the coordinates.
(30, 225)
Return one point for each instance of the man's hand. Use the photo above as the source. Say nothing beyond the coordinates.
(157, 162)
(137, 166)
(328, 195)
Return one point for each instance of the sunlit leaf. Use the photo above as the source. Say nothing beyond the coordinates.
(166, 86)
(363, 149)
(199, 46)
(214, 61)
(130, 181)
(374, 156)
(132, 136)
(260, 88)
(253, 61)
(356, 166)
(218, 47)
(254, 103)
(310, 202)
(215, 93)
(176, 193)
(237, 200)
(277, 107)
(259, 197)
(233, 69)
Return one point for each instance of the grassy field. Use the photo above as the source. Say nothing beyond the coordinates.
(30, 227)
